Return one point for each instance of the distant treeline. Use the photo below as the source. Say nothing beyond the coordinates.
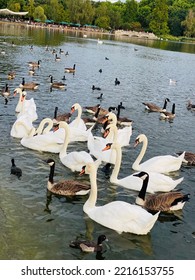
(162, 17)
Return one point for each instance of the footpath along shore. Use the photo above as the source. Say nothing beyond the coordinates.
(84, 30)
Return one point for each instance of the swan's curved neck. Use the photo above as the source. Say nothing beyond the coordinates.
(136, 163)
(65, 126)
(79, 109)
(91, 201)
(115, 172)
(30, 130)
(49, 126)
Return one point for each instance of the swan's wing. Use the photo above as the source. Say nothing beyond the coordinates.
(76, 160)
(123, 217)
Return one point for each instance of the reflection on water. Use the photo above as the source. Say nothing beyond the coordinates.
(38, 225)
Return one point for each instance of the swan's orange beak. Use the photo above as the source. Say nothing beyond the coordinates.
(55, 127)
(22, 98)
(82, 171)
(105, 118)
(106, 148)
(136, 143)
(72, 110)
(106, 133)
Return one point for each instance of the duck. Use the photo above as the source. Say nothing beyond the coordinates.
(30, 85)
(169, 201)
(100, 70)
(73, 160)
(189, 158)
(62, 117)
(117, 82)
(58, 85)
(168, 115)
(65, 187)
(154, 108)
(64, 78)
(15, 170)
(95, 88)
(88, 246)
(70, 70)
(158, 182)
(190, 106)
(160, 164)
(117, 215)
(34, 64)
(11, 75)
(100, 97)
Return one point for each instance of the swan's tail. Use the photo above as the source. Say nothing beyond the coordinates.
(151, 222)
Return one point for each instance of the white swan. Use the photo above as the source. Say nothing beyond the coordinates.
(117, 215)
(161, 164)
(45, 140)
(25, 106)
(123, 134)
(158, 182)
(73, 160)
(77, 122)
(22, 127)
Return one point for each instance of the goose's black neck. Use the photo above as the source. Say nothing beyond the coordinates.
(51, 174)
(142, 192)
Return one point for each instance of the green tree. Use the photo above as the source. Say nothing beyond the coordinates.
(39, 14)
(189, 24)
(159, 18)
(130, 12)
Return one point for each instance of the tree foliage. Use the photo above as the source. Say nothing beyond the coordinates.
(159, 16)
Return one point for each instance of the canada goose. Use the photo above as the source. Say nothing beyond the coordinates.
(62, 117)
(15, 170)
(117, 82)
(168, 115)
(190, 106)
(65, 187)
(30, 85)
(89, 246)
(189, 158)
(91, 109)
(5, 91)
(57, 58)
(64, 78)
(122, 120)
(34, 64)
(70, 70)
(31, 71)
(169, 201)
(95, 88)
(116, 215)
(154, 108)
(92, 121)
(58, 85)
(11, 75)
(61, 51)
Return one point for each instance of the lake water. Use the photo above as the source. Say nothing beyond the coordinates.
(35, 225)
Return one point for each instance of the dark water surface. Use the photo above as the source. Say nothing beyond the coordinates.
(34, 225)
